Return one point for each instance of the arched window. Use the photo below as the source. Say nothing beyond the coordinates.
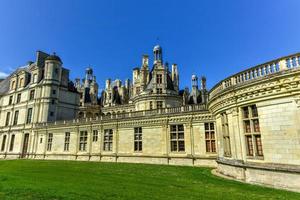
(13, 85)
(21, 84)
(12, 141)
(34, 78)
(3, 143)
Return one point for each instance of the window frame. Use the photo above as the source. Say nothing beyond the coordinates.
(12, 142)
(31, 95)
(19, 98)
(83, 139)
(138, 139)
(49, 141)
(108, 140)
(210, 137)
(4, 138)
(252, 133)
(29, 115)
(67, 141)
(16, 118)
(226, 137)
(7, 120)
(177, 142)
(158, 79)
(95, 135)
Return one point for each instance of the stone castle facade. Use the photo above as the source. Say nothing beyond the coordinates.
(247, 126)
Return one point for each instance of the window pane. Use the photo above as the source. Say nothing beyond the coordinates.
(249, 145)
(180, 128)
(246, 112)
(207, 135)
(256, 125)
(173, 128)
(247, 126)
(173, 145)
(207, 146)
(206, 126)
(181, 145)
(173, 136)
(259, 149)
(180, 135)
(211, 126)
(254, 111)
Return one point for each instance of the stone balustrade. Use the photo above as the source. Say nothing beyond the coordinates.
(125, 115)
(257, 72)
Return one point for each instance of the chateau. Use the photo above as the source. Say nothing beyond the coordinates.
(247, 125)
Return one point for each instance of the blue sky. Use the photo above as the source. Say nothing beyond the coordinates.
(212, 38)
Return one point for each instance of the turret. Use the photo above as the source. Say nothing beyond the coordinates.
(77, 83)
(203, 83)
(88, 76)
(204, 93)
(145, 61)
(157, 51)
(107, 84)
(175, 77)
(127, 84)
(194, 82)
(135, 74)
(52, 68)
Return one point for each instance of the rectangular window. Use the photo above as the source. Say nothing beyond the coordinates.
(225, 133)
(29, 116)
(95, 135)
(252, 131)
(210, 138)
(12, 141)
(67, 141)
(31, 95)
(3, 143)
(177, 138)
(16, 117)
(10, 100)
(83, 140)
(159, 78)
(49, 142)
(108, 140)
(159, 104)
(138, 144)
(19, 98)
(159, 90)
(53, 92)
(138, 90)
(7, 119)
(151, 105)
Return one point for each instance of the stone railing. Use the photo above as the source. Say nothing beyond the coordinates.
(258, 72)
(126, 115)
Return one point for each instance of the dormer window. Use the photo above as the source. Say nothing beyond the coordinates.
(35, 77)
(159, 78)
(13, 85)
(21, 84)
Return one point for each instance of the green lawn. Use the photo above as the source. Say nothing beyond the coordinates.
(32, 179)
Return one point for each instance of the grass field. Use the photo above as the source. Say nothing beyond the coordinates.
(32, 179)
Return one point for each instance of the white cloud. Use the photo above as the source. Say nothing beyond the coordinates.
(3, 75)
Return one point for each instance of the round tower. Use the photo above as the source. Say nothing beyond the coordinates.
(52, 68)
